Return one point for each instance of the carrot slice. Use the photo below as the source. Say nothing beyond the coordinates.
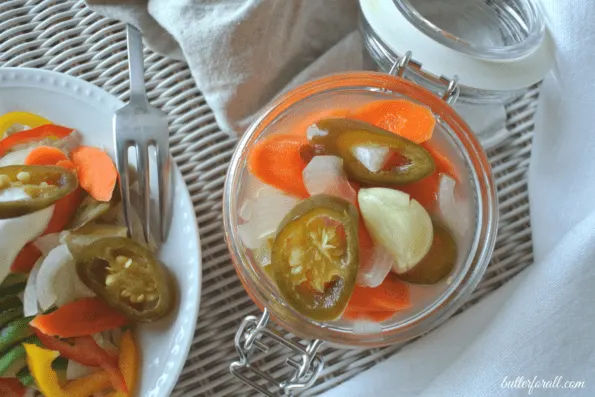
(45, 155)
(402, 117)
(66, 164)
(426, 190)
(377, 316)
(33, 135)
(96, 171)
(390, 296)
(276, 161)
(443, 164)
(26, 259)
(82, 317)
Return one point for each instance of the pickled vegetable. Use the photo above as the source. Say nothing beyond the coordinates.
(315, 256)
(438, 262)
(41, 184)
(90, 210)
(407, 161)
(127, 276)
(397, 223)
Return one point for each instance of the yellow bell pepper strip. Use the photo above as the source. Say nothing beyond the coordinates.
(128, 363)
(88, 385)
(39, 361)
(33, 135)
(23, 118)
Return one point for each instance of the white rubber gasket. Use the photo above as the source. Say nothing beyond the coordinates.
(400, 35)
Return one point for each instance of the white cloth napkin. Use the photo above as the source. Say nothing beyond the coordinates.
(242, 53)
(542, 324)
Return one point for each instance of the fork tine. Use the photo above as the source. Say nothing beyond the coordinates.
(163, 177)
(142, 156)
(122, 165)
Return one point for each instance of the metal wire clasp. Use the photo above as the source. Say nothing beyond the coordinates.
(451, 89)
(304, 360)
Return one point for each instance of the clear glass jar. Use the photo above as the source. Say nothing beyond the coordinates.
(496, 48)
(451, 135)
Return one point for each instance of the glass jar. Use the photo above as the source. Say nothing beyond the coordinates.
(477, 237)
(495, 48)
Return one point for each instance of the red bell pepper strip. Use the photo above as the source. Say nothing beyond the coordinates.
(33, 135)
(86, 351)
(64, 210)
(11, 387)
(26, 259)
(82, 317)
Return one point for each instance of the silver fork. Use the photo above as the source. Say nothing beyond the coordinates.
(139, 125)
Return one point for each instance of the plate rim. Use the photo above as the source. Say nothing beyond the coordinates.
(114, 103)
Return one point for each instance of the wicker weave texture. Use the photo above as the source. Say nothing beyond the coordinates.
(67, 37)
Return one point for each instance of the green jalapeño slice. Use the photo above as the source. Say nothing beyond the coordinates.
(315, 256)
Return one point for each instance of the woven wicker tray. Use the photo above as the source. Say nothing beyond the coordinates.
(67, 37)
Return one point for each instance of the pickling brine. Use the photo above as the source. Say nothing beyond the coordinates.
(353, 208)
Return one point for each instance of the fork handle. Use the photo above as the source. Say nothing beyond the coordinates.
(136, 68)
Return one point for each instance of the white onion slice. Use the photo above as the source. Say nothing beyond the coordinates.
(30, 306)
(16, 232)
(268, 210)
(76, 370)
(47, 243)
(374, 270)
(16, 157)
(325, 175)
(372, 157)
(57, 281)
(452, 212)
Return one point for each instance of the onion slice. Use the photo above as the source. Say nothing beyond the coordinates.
(30, 306)
(268, 210)
(372, 157)
(452, 211)
(374, 269)
(325, 175)
(57, 281)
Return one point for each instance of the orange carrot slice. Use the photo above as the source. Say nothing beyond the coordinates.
(390, 296)
(426, 190)
(45, 155)
(377, 316)
(96, 171)
(276, 161)
(66, 164)
(443, 164)
(402, 117)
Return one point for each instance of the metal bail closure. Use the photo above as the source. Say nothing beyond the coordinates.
(305, 362)
(448, 89)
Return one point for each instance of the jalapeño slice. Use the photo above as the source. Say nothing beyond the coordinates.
(407, 162)
(315, 256)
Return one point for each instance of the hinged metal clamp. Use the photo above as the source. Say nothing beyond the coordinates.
(304, 360)
(407, 63)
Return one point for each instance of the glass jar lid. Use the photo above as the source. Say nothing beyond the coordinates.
(496, 45)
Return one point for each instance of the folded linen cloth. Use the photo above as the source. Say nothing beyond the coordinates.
(242, 53)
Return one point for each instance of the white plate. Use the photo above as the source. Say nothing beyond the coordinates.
(75, 103)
